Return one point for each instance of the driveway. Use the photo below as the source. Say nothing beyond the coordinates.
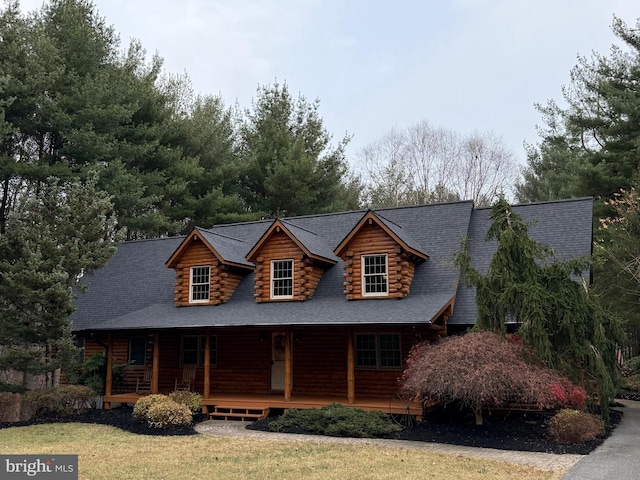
(619, 455)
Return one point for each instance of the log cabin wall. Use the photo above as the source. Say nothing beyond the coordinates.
(243, 361)
(91, 347)
(306, 274)
(320, 361)
(223, 279)
(372, 239)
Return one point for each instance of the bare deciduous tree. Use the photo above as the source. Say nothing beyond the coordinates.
(424, 164)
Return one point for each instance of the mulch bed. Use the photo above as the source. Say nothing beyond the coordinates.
(516, 430)
(520, 431)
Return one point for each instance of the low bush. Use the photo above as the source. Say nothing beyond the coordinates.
(633, 364)
(575, 426)
(64, 401)
(161, 411)
(11, 388)
(190, 399)
(9, 407)
(142, 406)
(168, 414)
(336, 420)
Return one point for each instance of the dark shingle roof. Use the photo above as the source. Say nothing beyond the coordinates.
(314, 243)
(402, 234)
(565, 225)
(230, 249)
(135, 289)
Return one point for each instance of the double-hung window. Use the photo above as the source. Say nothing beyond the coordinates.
(199, 284)
(379, 351)
(193, 348)
(137, 350)
(281, 279)
(374, 276)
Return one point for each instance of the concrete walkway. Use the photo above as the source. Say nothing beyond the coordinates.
(547, 461)
(619, 455)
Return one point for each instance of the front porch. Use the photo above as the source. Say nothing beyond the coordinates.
(392, 405)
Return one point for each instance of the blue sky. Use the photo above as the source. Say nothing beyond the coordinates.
(460, 64)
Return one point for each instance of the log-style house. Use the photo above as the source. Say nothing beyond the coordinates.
(296, 312)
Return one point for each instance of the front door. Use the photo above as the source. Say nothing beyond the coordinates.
(277, 360)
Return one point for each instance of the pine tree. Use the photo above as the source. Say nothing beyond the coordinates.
(558, 317)
(289, 166)
(63, 231)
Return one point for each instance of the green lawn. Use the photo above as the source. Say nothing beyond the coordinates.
(108, 453)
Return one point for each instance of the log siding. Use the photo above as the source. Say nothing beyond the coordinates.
(306, 272)
(223, 279)
(371, 240)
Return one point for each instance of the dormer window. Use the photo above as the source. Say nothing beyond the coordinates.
(374, 276)
(199, 285)
(281, 279)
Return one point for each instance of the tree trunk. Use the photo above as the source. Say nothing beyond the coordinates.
(478, 412)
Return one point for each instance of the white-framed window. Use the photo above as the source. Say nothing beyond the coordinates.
(199, 284)
(282, 278)
(375, 282)
(192, 349)
(378, 351)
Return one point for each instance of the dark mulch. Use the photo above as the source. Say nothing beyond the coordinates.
(121, 417)
(521, 431)
(516, 430)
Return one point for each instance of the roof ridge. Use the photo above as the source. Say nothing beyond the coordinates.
(220, 234)
(544, 202)
(299, 227)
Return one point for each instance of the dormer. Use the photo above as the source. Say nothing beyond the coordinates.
(289, 263)
(209, 267)
(379, 259)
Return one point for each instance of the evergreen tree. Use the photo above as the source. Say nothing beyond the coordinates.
(289, 166)
(558, 317)
(617, 254)
(60, 233)
(592, 146)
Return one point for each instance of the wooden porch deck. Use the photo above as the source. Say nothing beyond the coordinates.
(242, 400)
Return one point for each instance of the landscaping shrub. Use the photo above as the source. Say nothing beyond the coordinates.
(633, 364)
(142, 406)
(575, 426)
(160, 411)
(168, 414)
(64, 401)
(11, 388)
(190, 399)
(482, 370)
(9, 407)
(336, 420)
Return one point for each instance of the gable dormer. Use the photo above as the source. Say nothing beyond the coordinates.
(208, 267)
(380, 259)
(289, 263)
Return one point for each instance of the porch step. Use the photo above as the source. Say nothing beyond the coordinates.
(227, 412)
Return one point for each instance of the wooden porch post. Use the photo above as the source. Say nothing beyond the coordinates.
(155, 369)
(287, 367)
(351, 370)
(109, 379)
(207, 369)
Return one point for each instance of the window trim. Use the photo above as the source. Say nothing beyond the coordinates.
(201, 342)
(364, 275)
(192, 284)
(272, 295)
(378, 350)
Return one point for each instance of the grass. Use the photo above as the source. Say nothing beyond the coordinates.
(109, 453)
